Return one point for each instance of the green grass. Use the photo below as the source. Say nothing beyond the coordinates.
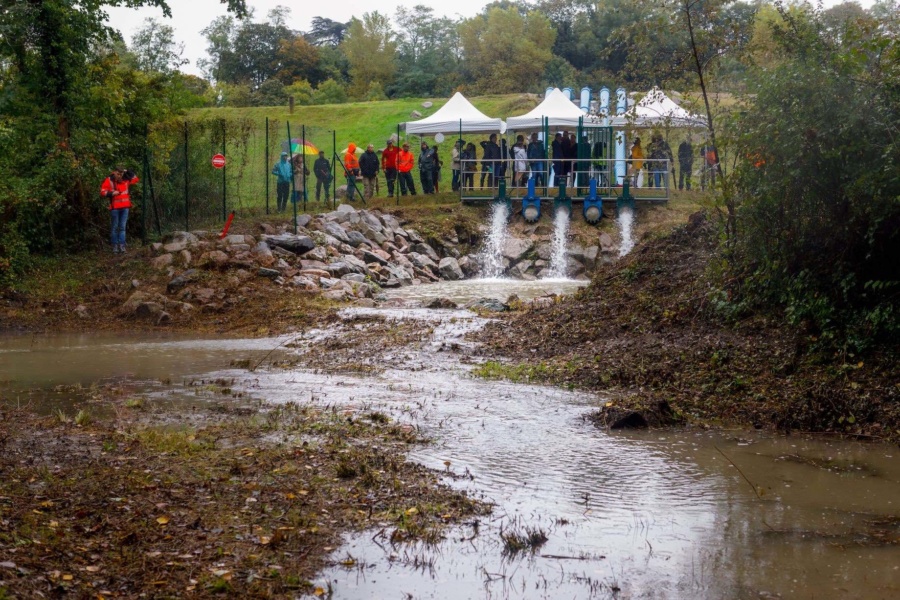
(328, 127)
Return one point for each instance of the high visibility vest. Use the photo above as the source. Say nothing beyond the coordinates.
(350, 161)
(120, 200)
(405, 161)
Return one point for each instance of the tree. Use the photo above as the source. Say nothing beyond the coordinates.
(71, 108)
(297, 59)
(428, 57)
(505, 51)
(325, 32)
(817, 181)
(329, 92)
(155, 47)
(370, 45)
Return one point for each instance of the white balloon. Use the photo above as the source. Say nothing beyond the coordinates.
(439, 137)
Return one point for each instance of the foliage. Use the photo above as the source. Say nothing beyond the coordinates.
(155, 47)
(70, 109)
(820, 209)
(428, 57)
(369, 46)
(505, 50)
(329, 92)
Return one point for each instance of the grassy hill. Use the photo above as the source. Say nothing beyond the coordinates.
(361, 122)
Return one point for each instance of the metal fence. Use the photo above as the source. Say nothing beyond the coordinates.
(182, 188)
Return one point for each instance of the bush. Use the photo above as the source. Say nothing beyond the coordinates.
(819, 218)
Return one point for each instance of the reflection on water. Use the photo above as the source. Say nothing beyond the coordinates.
(50, 369)
(660, 514)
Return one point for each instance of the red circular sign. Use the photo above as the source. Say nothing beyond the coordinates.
(218, 161)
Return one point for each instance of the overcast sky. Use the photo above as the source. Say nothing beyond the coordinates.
(189, 17)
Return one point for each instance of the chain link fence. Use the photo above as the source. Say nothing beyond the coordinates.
(183, 190)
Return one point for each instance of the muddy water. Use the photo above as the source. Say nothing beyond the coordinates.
(56, 371)
(627, 515)
(473, 289)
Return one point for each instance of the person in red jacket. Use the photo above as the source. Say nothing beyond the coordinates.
(115, 190)
(405, 163)
(389, 165)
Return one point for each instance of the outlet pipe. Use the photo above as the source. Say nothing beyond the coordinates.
(585, 100)
(626, 200)
(568, 92)
(531, 204)
(593, 205)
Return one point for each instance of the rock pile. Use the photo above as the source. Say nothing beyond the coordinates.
(346, 254)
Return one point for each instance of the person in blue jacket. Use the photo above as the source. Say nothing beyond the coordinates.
(284, 173)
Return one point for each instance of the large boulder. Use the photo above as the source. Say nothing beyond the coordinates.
(162, 261)
(516, 248)
(214, 258)
(356, 264)
(186, 237)
(606, 243)
(421, 261)
(298, 244)
(336, 231)
(356, 238)
(264, 254)
(423, 248)
(519, 271)
(450, 269)
(182, 280)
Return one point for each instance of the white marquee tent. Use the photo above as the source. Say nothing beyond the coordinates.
(559, 112)
(657, 110)
(457, 115)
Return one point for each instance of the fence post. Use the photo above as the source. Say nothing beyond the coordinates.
(266, 170)
(144, 193)
(303, 172)
(187, 168)
(333, 165)
(397, 167)
(224, 183)
(293, 191)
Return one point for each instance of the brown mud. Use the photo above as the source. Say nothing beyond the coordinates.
(245, 502)
(646, 331)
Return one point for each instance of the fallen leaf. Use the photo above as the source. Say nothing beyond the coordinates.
(412, 511)
(92, 569)
(67, 577)
(162, 520)
(319, 592)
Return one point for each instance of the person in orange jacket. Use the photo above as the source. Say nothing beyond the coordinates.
(351, 169)
(115, 190)
(405, 163)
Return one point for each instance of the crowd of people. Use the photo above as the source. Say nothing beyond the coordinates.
(565, 159)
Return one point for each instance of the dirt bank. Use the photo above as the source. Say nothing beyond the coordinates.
(647, 331)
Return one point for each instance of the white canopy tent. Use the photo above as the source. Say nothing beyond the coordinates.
(657, 110)
(457, 115)
(558, 111)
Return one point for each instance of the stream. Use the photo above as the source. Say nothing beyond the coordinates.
(651, 514)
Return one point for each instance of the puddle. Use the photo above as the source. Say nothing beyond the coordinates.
(660, 514)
